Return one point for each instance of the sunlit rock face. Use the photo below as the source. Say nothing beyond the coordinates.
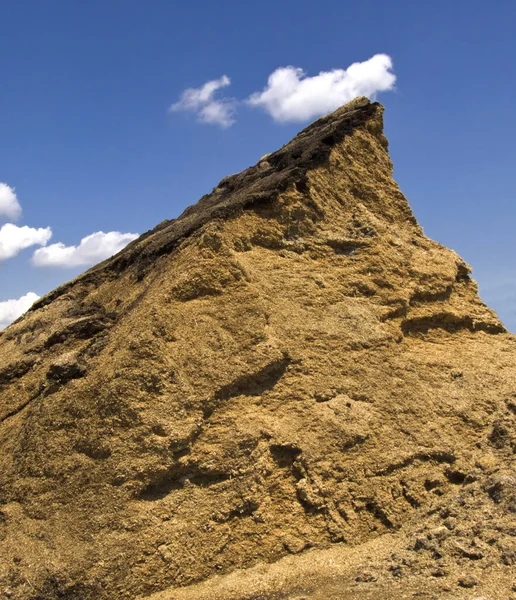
(289, 387)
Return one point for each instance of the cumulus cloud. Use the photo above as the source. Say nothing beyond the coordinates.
(292, 96)
(202, 101)
(9, 205)
(14, 239)
(10, 310)
(92, 249)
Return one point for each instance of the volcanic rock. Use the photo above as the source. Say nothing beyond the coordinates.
(287, 392)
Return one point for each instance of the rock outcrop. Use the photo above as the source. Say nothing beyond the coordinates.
(289, 391)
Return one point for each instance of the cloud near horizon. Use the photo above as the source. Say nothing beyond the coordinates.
(10, 310)
(9, 205)
(202, 101)
(290, 95)
(92, 249)
(14, 239)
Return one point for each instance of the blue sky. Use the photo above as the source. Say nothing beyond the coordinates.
(89, 144)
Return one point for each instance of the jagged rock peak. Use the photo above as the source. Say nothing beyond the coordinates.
(288, 376)
(262, 183)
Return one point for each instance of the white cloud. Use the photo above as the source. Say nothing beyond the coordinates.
(92, 249)
(209, 110)
(292, 96)
(13, 239)
(10, 310)
(9, 205)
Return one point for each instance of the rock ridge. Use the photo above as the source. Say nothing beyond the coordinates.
(290, 375)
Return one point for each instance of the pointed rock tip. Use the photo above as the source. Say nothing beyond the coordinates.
(261, 182)
(358, 103)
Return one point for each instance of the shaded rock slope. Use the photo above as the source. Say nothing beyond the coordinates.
(289, 391)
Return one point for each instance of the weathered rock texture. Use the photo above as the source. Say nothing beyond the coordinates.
(290, 367)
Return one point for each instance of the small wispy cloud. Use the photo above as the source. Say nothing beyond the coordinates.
(91, 249)
(10, 310)
(14, 239)
(9, 205)
(202, 101)
(292, 96)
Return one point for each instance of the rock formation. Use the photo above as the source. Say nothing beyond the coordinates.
(287, 392)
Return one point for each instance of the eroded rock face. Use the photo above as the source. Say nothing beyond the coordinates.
(291, 365)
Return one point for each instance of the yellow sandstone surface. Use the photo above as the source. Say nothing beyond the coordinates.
(287, 392)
